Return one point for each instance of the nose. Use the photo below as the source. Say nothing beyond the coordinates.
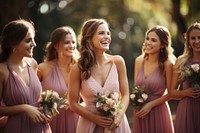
(34, 44)
(197, 39)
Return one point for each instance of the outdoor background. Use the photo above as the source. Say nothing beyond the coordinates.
(128, 19)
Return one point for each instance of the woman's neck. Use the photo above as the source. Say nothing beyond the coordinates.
(152, 58)
(196, 56)
(16, 61)
(63, 62)
(101, 58)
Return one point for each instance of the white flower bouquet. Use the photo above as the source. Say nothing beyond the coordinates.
(192, 75)
(138, 97)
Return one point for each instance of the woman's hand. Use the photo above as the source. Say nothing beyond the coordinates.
(192, 92)
(35, 114)
(103, 121)
(144, 111)
(116, 121)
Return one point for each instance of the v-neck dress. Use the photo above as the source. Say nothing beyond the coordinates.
(16, 93)
(188, 112)
(158, 120)
(89, 89)
(66, 120)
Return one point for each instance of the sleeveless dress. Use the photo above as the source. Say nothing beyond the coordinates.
(89, 89)
(17, 92)
(188, 112)
(158, 120)
(66, 120)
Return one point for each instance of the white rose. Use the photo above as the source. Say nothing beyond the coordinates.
(132, 96)
(140, 100)
(195, 67)
(144, 96)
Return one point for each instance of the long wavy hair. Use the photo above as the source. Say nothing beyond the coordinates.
(188, 51)
(56, 36)
(13, 33)
(87, 54)
(166, 52)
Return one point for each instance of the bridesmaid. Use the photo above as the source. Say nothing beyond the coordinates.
(188, 110)
(98, 72)
(153, 71)
(20, 88)
(54, 72)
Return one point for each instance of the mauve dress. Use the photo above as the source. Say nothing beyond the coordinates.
(66, 120)
(17, 92)
(158, 120)
(89, 89)
(188, 112)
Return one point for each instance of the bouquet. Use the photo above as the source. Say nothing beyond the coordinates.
(138, 97)
(51, 100)
(108, 105)
(192, 75)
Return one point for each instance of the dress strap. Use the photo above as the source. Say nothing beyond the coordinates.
(10, 69)
(8, 66)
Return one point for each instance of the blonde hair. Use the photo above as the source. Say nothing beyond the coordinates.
(188, 51)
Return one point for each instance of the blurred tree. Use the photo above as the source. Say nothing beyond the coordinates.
(11, 10)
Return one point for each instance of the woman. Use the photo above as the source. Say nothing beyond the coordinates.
(188, 110)
(97, 72)
(54, 72)
(20, 88)
(153, 71)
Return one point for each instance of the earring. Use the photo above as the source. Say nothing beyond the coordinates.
(189, 47)
(161, 50)
(14, 50)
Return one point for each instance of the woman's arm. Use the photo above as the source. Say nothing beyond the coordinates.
(31, 111)
(124, 90)
(179, 94)
(74, 86)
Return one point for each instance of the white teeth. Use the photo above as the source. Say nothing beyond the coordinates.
(197, 45)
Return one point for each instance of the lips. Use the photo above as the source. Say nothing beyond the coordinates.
(197, 45)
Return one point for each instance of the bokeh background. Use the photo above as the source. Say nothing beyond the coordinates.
(128, 19)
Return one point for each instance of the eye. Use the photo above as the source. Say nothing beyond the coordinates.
(192, 38)
(154, 40)
(28, 40)
(66, 42)
(101, 32)
(147, 38)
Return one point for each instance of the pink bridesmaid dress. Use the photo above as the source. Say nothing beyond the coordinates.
(89, 89)
(188, 112)
(158, 120)
(17, 92)
(66, 120)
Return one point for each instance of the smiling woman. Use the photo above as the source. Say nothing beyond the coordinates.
(98, 73)
(61, 54)
(187, 114)
(20, 88)
(153, 71)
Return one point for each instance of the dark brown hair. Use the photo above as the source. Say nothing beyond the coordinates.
(13, 33)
